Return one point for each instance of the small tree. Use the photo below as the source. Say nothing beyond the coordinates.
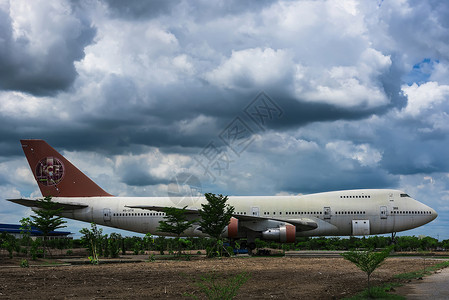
(215, 216)
(8, 242)
(114, 242)
(92, 239)
(148, 240)
(47, 219)
(25, 231)
(176, 222)
(367, 261)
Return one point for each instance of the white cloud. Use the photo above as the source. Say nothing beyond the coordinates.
(364, 154)
(146, 51)
(252, 68)
(424, 97)
(43, 23)
(282, 144)
(440, 73)
(190, 126)
(154, 88)
(41, 40)
(346, 86)
(149, 168)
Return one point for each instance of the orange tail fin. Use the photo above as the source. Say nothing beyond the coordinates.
(55, 175)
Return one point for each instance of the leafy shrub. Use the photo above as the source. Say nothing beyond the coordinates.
(34, 250)
(24, 263)
(227, 289)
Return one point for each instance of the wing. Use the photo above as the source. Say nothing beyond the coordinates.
(33, 203)
(301, 224)
(189, 211)
(251, 222)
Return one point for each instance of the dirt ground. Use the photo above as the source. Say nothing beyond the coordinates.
(271, 278)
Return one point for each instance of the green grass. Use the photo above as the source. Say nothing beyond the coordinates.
(378, 292)
(417, 254)
(214, 288)
(423, 272)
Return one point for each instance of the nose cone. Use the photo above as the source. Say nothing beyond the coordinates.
(429, 213)
(433, 214)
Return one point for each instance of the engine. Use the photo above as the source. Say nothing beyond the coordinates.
(283, 234)
(231, 231)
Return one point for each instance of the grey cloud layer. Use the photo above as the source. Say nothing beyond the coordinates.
(38, 51)
(123, 79)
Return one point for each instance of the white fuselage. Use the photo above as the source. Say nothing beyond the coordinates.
(340, 213)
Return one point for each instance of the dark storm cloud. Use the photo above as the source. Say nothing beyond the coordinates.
(322, 168)
(391, 83)
(420, 27)
(208, 10)
(135, 176)
(331, 180)
(135, 9)
(118, 123)
(10, 145)
(123, 115)
(48, 68)
(413, 154)
(155, 81)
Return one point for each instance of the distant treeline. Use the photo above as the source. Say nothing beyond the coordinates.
(114, 244)
(401, 243)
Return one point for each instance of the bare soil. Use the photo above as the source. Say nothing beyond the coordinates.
(271, 278)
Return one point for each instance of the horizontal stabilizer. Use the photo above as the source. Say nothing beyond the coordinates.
(33, 203)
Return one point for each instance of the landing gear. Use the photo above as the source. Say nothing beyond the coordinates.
(243, 245)
(252, 246)
(393, 238)
(248, 245)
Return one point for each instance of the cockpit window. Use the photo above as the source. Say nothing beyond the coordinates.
(405, 195)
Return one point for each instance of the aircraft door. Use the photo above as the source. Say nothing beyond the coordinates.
(327, 212)
(360, 227)
(255, 211)
(383, 212)
(106, 215)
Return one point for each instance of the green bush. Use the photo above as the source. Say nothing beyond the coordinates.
(377, 292)
(34, 250)
(215, 289)
(24, 263)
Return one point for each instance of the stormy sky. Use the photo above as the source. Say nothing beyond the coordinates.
(248, 97)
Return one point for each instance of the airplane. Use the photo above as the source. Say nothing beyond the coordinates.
(276, 218)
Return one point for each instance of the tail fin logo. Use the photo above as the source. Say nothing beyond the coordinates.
(49, 171)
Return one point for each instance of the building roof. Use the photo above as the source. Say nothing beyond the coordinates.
(15, 229)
